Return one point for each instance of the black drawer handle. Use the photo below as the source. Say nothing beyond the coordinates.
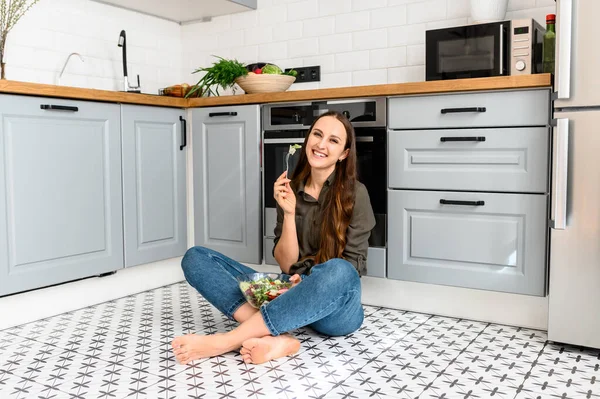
(469, 203)
(232, 113)
(59, 107)
(183, 132)
(458, 110)
(473, 138)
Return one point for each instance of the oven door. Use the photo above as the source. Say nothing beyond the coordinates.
(372, 172)
(472, 51)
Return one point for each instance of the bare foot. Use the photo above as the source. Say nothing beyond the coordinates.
(261, 350)
(192, 347)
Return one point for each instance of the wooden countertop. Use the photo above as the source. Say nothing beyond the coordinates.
(394, 89)
(44, 90)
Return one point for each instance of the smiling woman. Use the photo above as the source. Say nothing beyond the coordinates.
(324, 220)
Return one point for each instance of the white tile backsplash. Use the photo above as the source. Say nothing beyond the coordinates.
(40, 43)
(352, 61)
(389, 16)
(458, 8)
(303, 10)
(388, 57)
(259, 35)
(408, 34)
(287, 30)
(415, 55)
(327, 63)
(361, 5)
(303, 47)
(354, 21)
(363, 35)
(425, 11)
(406, 74)
(319, 26)
(335, 43)
(339, 79)
(354, 41)
(334, 7)
(369, 77)
(369, 39)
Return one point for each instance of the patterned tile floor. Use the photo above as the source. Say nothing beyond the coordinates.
(120, 349)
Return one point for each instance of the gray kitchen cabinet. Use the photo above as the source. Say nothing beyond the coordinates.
(468, 189)
(500, 159)
(60, 191)
(507, 108)
(487, 241)
(154, 183)
(227, 183)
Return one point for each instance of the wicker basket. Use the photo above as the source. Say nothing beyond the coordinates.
(265, 83)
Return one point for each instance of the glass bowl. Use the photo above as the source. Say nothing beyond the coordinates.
(261, 288)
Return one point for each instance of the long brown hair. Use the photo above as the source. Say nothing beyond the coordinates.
(339, 201)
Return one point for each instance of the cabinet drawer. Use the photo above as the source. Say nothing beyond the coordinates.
(498, 245)
(489, 109)
(513, 160)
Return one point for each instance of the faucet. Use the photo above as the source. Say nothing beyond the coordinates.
(126, 86)
(65, 65)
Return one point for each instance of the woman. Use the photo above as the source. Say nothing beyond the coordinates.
(324, 220)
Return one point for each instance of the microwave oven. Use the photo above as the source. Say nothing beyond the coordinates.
(502, 48)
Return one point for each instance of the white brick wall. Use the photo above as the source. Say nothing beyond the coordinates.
(356, 42)
(38, 46)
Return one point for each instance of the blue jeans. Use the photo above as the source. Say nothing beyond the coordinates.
(328, 300)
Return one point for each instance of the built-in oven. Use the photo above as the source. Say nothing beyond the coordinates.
(287, 124)
(482, 50)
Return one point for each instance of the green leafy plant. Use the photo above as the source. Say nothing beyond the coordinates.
(222, 73)
(10, 13)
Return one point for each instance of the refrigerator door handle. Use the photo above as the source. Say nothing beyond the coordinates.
(559, 185)
(564, 35)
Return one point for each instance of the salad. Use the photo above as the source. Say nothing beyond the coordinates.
(263, 290)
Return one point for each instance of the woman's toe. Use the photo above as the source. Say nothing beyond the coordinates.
(249, 344)
(247, 358)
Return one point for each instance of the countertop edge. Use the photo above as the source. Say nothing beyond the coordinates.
(392, 89)
(76, 93)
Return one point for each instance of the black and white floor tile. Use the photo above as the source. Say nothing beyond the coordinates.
(121, 349)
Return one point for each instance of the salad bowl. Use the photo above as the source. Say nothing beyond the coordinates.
(261, 288)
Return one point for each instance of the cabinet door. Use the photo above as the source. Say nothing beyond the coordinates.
(502, 160)
(226, 143)
(60, 191)
(154, 194)
(474, 240)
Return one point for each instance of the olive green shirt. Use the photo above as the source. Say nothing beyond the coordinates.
(308, 223)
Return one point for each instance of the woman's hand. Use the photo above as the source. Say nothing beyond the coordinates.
(295, 280)
(283, 194)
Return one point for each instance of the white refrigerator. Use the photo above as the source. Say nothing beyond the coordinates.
(574, 286)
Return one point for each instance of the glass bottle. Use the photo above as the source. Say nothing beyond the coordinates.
(549, 44)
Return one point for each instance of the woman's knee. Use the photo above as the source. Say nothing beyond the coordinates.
(194, 258)
(339, 271)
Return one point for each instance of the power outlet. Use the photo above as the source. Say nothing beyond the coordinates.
(307, 74)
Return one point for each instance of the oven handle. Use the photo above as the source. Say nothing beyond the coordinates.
(364, 139)
(284, 141)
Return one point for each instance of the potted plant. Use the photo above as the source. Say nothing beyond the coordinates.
(10, 13)
(222, 73)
